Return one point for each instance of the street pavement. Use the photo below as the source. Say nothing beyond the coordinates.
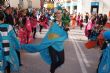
(78, 59)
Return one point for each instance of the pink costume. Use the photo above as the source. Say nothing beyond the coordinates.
(78, 19)
(29, 31)
(33, 22)
(89, 26)
(22, 35)
(44, 23)
(81, 21)
(25, 33)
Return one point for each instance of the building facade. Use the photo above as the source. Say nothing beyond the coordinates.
(83, 6)
(79, 6)
(23, 3)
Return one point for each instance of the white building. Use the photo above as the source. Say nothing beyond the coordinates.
(100, 6)
(25, 3)
(83, 6)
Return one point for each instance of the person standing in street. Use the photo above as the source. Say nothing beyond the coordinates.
(86, 17)
(51, 47)
(8, 45)
(104, 64)
(57, 53)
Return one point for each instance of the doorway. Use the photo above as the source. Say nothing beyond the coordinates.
(94, 9)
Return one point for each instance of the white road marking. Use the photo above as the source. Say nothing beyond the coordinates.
(82, 53)
(83, 68)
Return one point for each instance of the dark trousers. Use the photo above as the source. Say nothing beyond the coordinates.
(8, 68)
(19, 57)
(41, 27)
(86, 20)
(81, 25)
(57, 58)
(89, 34)
(34, 32)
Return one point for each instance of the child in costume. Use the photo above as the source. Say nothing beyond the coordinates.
(25, 30)
(8, 46)
(104, 65)
(51, 47)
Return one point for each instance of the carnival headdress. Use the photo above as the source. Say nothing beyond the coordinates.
(106, 35)
(57, 8)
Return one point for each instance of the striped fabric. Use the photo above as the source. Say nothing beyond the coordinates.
(8, 46)
(5, 41)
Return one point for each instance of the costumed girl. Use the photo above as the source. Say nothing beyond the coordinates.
(25, 29)
(43, 22)
(104, 65)
(89, 27)
(8, 46)
(34, 22)
(51, 47)
(73, 20)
